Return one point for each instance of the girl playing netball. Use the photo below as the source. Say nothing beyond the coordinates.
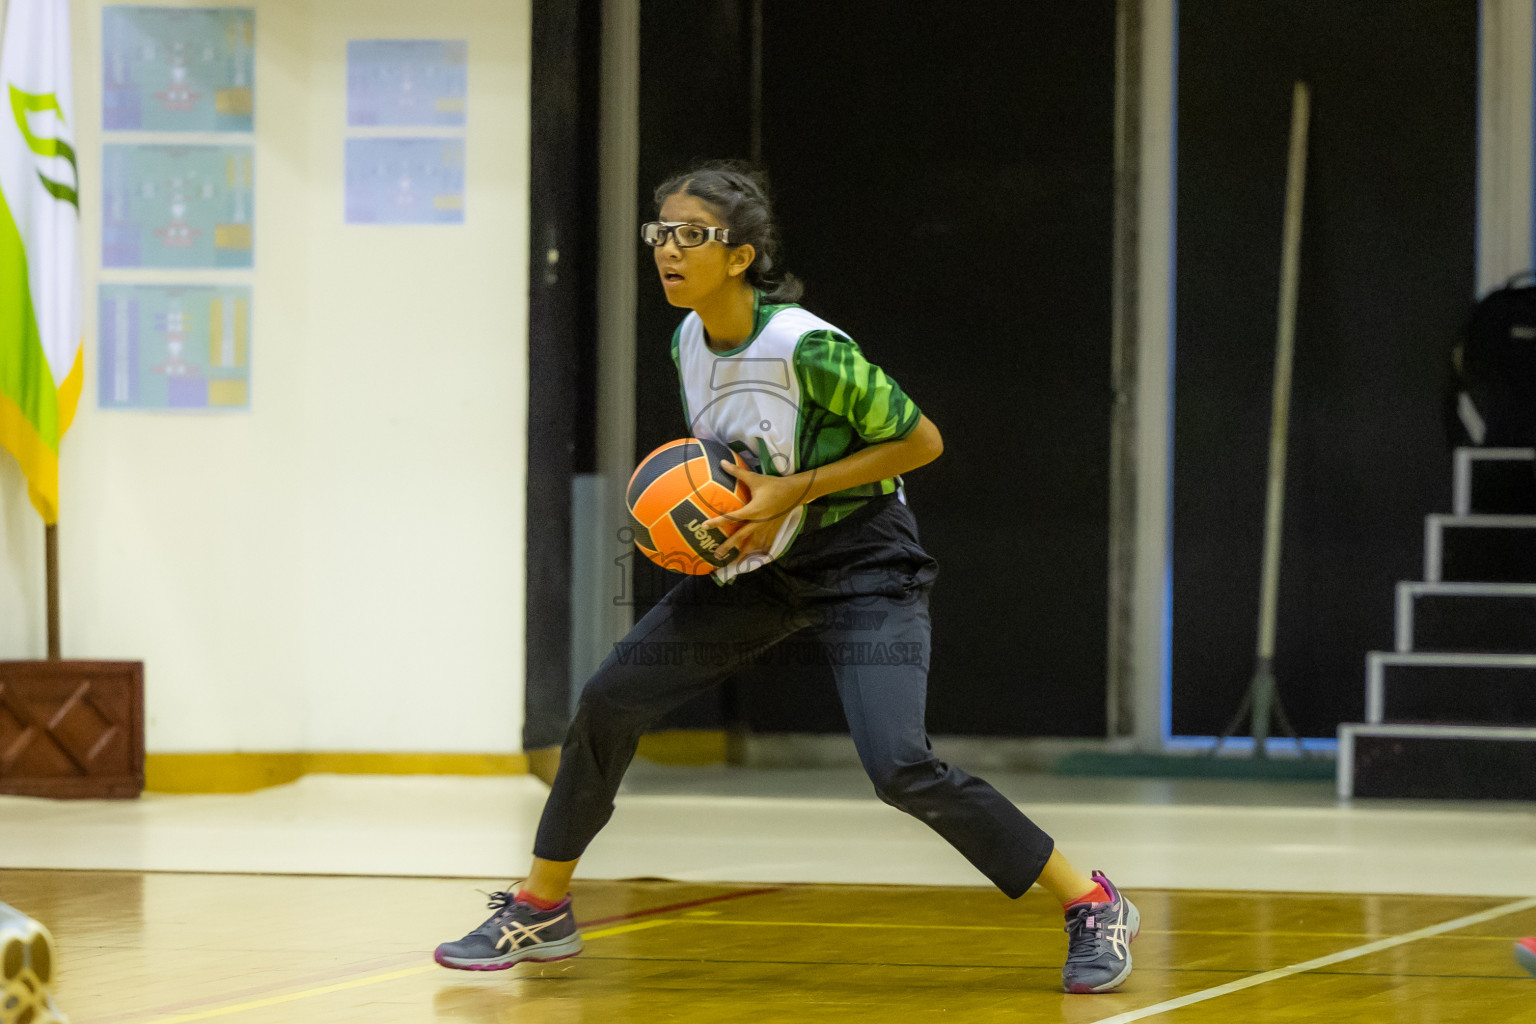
(827, 529)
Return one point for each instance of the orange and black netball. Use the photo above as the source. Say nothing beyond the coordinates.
(671, 494)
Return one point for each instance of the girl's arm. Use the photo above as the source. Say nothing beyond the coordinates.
(774, 497)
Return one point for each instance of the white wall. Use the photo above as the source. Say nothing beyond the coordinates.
(341, 567)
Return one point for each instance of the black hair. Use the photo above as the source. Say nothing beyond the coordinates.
(739, 195)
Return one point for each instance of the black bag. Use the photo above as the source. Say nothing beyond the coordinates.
(1495, 368)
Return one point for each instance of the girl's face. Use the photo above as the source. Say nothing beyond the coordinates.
(691, 277)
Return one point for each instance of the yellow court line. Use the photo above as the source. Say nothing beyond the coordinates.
(291, 996)
(1057, 928)
(621, 929)
(372, 979)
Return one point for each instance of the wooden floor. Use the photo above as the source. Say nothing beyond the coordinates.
(137, 948)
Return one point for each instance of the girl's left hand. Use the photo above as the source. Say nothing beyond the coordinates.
(772, 498)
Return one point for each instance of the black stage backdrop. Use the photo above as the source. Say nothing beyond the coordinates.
(944, 182)
(1386, 283)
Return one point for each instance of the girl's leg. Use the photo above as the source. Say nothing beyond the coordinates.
(696, 636)
(889, 704)
(550, 880)
(882, 677)
(1063, 881)
(879, 650)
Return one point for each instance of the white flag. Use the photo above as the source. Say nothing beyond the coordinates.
(40, 341)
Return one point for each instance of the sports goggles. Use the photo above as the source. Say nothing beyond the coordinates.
(654, 234)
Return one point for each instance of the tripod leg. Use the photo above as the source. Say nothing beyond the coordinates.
(1237, 720)
(1285, 726)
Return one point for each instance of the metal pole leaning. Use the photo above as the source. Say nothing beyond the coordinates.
(1263, 695)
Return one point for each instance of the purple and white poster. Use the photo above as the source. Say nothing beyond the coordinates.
(405, 181)
(407, 83)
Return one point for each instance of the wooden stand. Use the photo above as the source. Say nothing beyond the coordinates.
(72, 729)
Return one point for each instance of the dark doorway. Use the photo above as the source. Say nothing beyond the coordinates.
(563, 80)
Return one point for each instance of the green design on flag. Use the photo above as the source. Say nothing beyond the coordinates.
(40, 340)
(23, 103)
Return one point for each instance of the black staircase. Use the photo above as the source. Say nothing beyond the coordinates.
(1451, 712)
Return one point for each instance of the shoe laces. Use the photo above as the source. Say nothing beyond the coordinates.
(501, 903)
(1087, 925)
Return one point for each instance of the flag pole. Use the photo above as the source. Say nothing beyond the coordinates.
(51, 541)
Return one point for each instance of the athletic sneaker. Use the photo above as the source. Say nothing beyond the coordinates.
(1525, 954)
(513, 933)
(26, 971)
(1099, 937)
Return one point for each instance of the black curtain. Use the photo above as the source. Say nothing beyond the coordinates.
(1386, 283)
(944, 177)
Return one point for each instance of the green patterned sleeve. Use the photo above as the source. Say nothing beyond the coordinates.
(834, 374)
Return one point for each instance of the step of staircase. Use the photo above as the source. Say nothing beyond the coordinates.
(1498, 481)
(1447, 686)
(1487, 618)
(1436, 762)
(1479, 548)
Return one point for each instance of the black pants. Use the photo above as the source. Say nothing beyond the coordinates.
(861, 587)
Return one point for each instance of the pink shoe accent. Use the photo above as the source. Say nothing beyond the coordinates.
(1098, 894)
(437, 954)
(542, 906)
(1525, 954)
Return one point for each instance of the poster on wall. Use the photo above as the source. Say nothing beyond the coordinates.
(407, 82)
(174, 347)
(177, 206)
(178, 69)
(405, 181)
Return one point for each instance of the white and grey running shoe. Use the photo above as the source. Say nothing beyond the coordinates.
(513, 933)
(26, 971)
(1099, 937)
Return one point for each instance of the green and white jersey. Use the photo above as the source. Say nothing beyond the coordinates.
(796, 395)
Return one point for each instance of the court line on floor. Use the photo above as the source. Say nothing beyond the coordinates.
(673, 908)
(1124, 1018)
(258, 1004)
(1051, 968)
(1322, 961)
(367, 967)
(373, 979)
(1056, 929)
